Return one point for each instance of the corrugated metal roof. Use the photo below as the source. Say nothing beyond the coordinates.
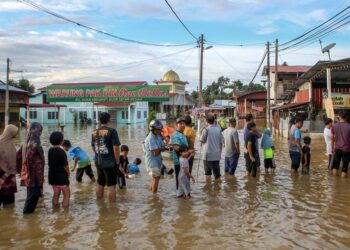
(287, 69)
(11, 88)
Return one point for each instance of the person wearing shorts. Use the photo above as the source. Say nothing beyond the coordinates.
(154, 145)
(58, 171)
(105, 143)
(340, 144)
(212, 142)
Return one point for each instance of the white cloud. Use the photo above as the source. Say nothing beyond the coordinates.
(33, 33)
(266, 31)
(62, 5)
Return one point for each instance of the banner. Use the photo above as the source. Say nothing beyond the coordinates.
(107, 93)
(341, 100)
(329, 108)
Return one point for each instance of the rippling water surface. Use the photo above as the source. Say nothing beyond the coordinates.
(280, 211)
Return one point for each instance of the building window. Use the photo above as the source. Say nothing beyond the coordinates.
(33, 114)
(83, 115)
(125, 114)
(52, 115)
(144, 114)
(138, 114)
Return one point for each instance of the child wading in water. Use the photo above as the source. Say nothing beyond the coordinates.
(123, 170)
(81, 159)
(134, 167)
(58, 170)
(184, 190)
(268, 147)
(306, 156)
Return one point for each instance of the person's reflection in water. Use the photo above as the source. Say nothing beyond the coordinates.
(109, 225)
(157, 234)
(252, 199)
(184, 225)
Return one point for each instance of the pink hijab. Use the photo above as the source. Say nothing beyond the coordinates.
(8, 150)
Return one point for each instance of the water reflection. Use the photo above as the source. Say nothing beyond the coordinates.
(271, 211)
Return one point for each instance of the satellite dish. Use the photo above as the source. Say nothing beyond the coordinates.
(327, 49)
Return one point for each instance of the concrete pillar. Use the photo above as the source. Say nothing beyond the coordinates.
(329, 81)
(129, 114)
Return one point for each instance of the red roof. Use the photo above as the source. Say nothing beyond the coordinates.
(45, 105)
(98, 83)
(290, 69)
(252, 95)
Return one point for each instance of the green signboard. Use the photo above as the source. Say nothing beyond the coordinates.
(107, 93)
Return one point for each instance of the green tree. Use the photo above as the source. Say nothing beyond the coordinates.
(23, 84)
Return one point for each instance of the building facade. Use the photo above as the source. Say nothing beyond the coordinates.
(18, 99)
(84, 112)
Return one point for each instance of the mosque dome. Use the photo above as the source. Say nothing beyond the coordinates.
(171, 76)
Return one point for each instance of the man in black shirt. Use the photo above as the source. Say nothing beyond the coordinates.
(250, 144)
(105, 143)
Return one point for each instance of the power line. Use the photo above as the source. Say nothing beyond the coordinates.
(236, 45)
(257, 71)
(316, 38)
(308, 32)
(321, 32)
(178, 18)
(47, 11)
(224, 60)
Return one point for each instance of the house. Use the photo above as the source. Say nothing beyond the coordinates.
(179, 101)
(226, 107)
(63, 112)
(18, 98)
(324, 79)
(251, 102)
(287, 78)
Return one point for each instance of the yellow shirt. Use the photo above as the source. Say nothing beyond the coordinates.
(190, 135)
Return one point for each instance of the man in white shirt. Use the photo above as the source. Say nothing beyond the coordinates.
(328, 123)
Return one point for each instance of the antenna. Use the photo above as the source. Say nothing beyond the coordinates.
(327, 49)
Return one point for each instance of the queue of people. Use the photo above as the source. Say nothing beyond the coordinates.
(112, 163)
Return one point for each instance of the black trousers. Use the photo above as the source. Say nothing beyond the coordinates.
(177, 171)
(33, 194)
(7, 199)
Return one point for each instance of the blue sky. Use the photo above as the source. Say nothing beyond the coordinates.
(50, 50)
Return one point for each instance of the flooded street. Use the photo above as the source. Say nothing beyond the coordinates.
(280, 211)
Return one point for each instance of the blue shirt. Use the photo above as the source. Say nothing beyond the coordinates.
(83, 158)
(153, 142)
(295, 134)
(178, 139)
(133, 168)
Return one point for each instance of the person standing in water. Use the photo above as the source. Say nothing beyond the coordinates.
(31, 161)
(154, 146)
(340, 144)
(327, 133)
(295, 145)
(232, 151)
(212, 142)
(105, 143)
(8, 167)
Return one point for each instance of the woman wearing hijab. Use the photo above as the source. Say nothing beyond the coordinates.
(31, 165)
(8, 169)
(268, 147)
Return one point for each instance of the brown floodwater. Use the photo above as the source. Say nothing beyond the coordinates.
(280, 211)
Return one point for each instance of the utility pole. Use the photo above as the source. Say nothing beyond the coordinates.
(276, 71)
(268, 87)
(7, 95)
(201, 49)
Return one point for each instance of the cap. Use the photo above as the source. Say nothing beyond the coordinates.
(180, 119)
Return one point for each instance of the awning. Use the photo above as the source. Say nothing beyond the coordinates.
(290, 106)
